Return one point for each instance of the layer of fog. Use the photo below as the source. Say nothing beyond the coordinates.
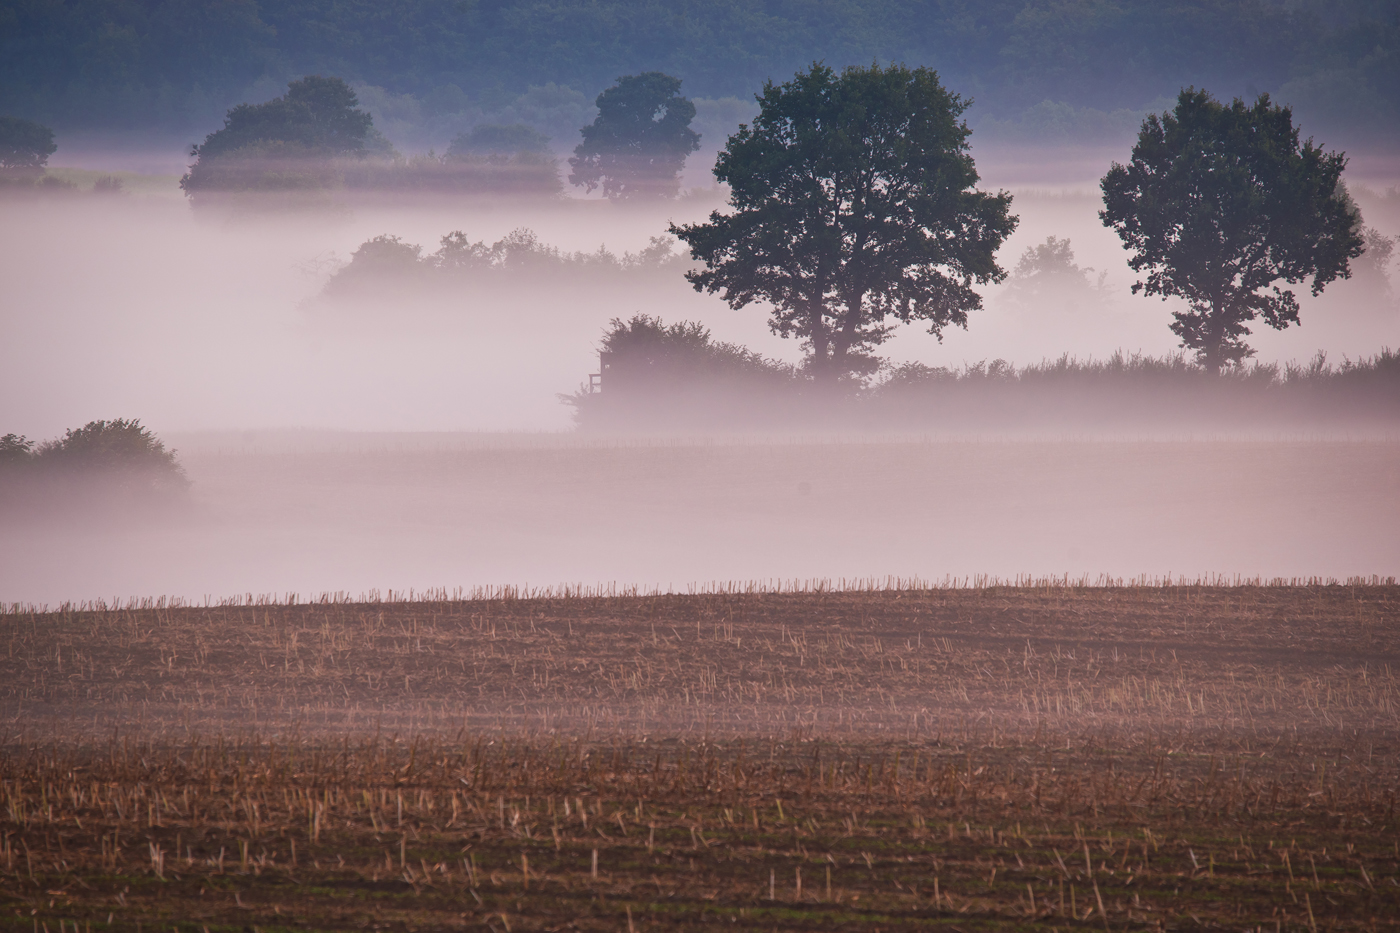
(138, 307)
(288, 512)
(135, 306)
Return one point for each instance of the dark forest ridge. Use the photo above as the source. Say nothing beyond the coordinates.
(1043, 71)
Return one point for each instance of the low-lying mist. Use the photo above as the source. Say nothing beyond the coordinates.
(411, 434)
(135, 306)
(281, 512)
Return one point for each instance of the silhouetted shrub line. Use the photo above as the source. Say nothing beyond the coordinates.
(658, 376)
(102, 462)
(1171, 369)
(387, 261)
(297, 149)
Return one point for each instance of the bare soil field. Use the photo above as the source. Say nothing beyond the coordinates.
(989, 757)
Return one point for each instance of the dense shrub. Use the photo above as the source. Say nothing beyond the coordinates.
(103, 462)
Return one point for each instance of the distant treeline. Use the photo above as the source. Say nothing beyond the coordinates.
(273, 175)
(658, 376)
(179, 66)
(387, 262)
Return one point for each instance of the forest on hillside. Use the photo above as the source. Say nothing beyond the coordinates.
(1042, 69)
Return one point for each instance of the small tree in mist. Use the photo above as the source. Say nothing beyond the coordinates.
(1046, 273)
(1220, 202)
(1373, 266)
(25, 147)
(644, 354)
(853, 203)
(102, 465)
(639, 142)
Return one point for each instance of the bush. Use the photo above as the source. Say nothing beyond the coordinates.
(103, 462)
(654, 375)
(25, 147)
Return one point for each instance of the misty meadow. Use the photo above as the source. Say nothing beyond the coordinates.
(518, 466)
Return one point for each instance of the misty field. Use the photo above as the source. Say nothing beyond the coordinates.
(302, 512)
(1045, 755)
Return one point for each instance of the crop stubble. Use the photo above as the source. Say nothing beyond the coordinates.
(1035, 756)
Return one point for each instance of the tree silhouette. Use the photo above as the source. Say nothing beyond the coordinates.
(1046, 275)
(1220, 202)
(263, 145)
(25, 147)
(317, 112)
(853, 202)
(638, 144)
(121, 449)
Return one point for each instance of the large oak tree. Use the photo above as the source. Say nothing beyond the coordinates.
(853, 207)
(1221, 202)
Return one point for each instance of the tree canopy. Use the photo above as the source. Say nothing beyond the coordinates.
(121, 453)
(1218, 203)
(316, 119)
(1046, 275)
(317, 113)
(853, 206)
(638, 144)
(25, 146)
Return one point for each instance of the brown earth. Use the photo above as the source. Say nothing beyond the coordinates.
(996, 757)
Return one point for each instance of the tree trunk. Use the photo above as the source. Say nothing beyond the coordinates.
(845, 335)
(1214, 343)
(822, 369)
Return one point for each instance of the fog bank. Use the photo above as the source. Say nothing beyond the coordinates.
(280, 513)
(136, 306)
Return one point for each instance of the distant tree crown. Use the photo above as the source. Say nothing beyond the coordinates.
(639, 142)
(317, 113)
(25, 144)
